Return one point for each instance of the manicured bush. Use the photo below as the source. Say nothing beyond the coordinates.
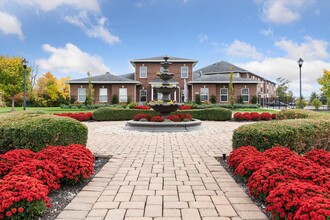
(252, 116)
(138, 117)
(228, 106)
(247, 116)
(250, 164)
(211, 114)
(157, 118)
(299, 135)
(238, 116)
(314, 208)
(236, 156)
(35, 131)
(116, 114)
(255, 116)
(185, 107)
(144, 107)
(184, 116)
(320, 157)
(22, 197)
(266, 116)
(300, 113)
(278, 153)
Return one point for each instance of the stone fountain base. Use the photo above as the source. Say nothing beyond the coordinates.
(164, 126)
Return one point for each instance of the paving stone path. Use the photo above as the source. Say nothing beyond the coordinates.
(165, 176)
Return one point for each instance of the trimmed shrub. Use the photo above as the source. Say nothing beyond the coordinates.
(211, 114)
(299, 113)
(116, 114)
(157, 118)
(213, 99)
(237, 105)
(320, 157)
(299, 135)
(174, 118)
(34, 131)
(114, 99)
(138, 117)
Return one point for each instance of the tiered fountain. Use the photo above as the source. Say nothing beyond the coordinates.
(164, 106)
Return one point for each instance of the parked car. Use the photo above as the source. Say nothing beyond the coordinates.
(276, 103)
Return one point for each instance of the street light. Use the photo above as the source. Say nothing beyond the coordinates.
(25, 63)
(300, 63)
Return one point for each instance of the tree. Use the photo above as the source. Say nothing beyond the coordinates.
(46, 92)
(313, 96)
(64, 90)
(324, 81)
(231, 88)
(282, 87)
(89, 91)
(12, 77)
(316, 103)
(303, 103)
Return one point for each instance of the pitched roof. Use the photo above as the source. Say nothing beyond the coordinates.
(106, 78)
(221, 67)
(219, 78)
(159, 59)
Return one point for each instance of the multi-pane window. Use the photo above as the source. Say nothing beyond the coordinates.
(103, 97)
(223, 95)
(143, 72)
(245, 94)
(123, 95)
(81, 94)
(143, 95)
(204, 94)
(184, 72)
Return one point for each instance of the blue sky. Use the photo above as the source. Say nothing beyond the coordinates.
(267, 37)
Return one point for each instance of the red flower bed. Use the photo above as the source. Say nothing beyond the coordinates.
(22, 197)
(78, 116)
(185, 107)
(294, 187)
(44, 170)
(274, 116)
(49, 152)
(144, 107)
(13, 157)
(320, 157)
(157, 119)
(236, 156)
(255, 116)
(174, 118)
(185, 117)
(138, 117)
(285, 200)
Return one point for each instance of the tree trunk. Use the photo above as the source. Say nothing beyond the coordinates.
(12, 103)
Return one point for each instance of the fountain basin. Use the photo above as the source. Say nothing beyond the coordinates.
(166, 76)
(165, 89)
(165, 108)
(164, 126)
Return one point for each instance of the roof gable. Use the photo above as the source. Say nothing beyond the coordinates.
(108, 77)
(160, 59)
(221, 67)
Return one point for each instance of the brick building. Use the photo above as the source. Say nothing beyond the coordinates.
(139, 86)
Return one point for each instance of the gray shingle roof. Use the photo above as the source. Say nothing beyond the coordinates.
(161, 58)
(219, 78)
(221, 67)
(106, 78)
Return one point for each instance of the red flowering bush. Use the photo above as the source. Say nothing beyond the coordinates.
(255, 116)
(78, 116)
(76, 164)
(185, 107)
(247, 116)
(44, 170)
(157, 119)
(278, 153)
(237, 156)
(285, 200)
(174, 118)
(317, 176)
(185, 117)
(238, 116)
(22, 197)
(250, 164)
(313, 209)
(13, 157)
(262, 181)
(274, 116)
(320, 157)
(138, 117)
(144, 107)
(265, 116)
(49, 152)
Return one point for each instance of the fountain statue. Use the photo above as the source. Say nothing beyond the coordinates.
(165, 106)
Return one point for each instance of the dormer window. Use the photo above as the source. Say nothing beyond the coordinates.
(143, 72)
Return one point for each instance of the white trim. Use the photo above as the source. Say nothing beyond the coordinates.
(146, 71)
(122, 96)
(248, 95)
(106, 95)
(206, 89)
(223, 95)
(80, 94)
(184, 66)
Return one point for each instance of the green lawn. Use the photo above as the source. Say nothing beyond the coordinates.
(50, 110)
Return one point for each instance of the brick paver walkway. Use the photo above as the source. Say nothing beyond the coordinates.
(161, 176)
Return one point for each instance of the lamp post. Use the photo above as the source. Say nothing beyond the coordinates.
(300, 63)
(24, 62)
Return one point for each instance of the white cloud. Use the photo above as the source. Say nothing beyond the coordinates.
(94, 29)
(49, 5)
(267, 32)
(71, 59)
(283, 11)
(242, 49)
(272, 68)
(310, 49)
(203, 38)
(10, 25)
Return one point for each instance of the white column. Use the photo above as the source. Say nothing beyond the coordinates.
(152, 93)
(175, 95)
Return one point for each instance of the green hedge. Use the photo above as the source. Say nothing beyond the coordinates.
(210, 114)
(227, 106)
(300, 135)
(300, 113)
(112, 114)
(34, 130)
